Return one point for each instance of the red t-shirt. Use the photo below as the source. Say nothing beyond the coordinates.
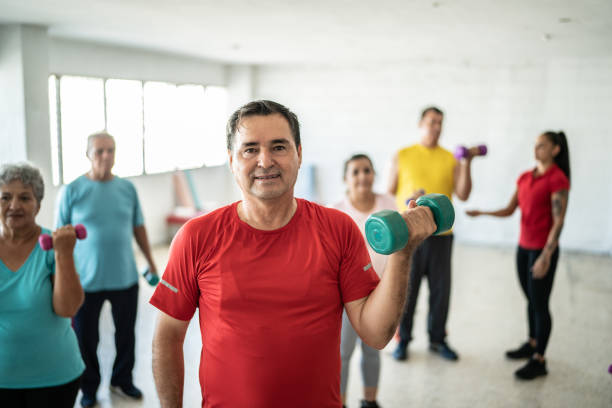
(270, 303)
(534, 199)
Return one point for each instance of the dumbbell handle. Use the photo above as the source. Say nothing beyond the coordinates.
(46, 241)
(463, 152)
(386, 230)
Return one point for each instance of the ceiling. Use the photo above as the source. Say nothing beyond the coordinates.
(320, 31)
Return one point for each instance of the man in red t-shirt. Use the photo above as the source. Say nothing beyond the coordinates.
(270, 275)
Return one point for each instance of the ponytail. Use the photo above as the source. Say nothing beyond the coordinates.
(562, 159)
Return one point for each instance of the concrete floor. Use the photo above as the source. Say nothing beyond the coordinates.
(487, 317)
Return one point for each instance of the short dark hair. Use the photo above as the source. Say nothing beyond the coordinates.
(434, 109)
(261, 108)
(354, 157)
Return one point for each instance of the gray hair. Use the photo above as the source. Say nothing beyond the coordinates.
(97, 135)
(27, 174)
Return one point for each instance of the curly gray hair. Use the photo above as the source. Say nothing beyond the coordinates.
(27, 174)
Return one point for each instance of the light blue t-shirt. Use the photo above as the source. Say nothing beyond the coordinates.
(109, 210)
(37, 347)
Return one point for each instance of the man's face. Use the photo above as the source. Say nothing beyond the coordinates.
(265, 159)
(102, 155)
(431, 127)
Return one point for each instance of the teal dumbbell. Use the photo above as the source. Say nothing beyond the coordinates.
(386, 230)
(149, 276)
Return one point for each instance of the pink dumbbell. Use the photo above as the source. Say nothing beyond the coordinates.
(462, 152)
(46, 242)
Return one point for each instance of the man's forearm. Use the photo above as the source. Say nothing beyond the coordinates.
(383, 308)
(140, 234)
(168, 371)
(376, 316)
(464, 181)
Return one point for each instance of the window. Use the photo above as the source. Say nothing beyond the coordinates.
(124, 122)
(157, 126)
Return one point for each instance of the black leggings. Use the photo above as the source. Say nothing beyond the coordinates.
(59, 396)
(537, 292)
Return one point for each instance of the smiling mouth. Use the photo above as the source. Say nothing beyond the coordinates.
(267, 177)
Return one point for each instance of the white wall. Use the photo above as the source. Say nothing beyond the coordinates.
(24, 104)
(374, 108)
(12, 104)
(90, 59)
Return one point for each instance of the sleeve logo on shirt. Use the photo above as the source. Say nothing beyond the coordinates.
(368, 266)
(169, 286)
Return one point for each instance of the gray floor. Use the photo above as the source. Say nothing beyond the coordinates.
(487, 317)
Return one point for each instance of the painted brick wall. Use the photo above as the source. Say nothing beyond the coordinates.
(374, 108)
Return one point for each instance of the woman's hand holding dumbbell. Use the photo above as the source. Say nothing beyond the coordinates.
(63, 239)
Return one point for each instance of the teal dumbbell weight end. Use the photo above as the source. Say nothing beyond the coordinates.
(386, 230)
(149, 276)
(442, 209)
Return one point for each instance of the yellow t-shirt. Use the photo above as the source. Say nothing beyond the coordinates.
(420, 167)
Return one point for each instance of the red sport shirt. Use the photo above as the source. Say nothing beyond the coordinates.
(534, 198)
(270, 303)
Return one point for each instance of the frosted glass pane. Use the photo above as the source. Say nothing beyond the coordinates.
(215, 114)
(161, 137)
(82, 113)
(124, 122)
(190, 129)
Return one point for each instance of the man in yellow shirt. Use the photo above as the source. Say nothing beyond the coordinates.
(425, 168)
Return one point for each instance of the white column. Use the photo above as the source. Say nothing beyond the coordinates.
(24, 105)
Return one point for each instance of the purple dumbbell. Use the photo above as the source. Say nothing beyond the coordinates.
(610, 369)
(418, 193)
(46, 241)
(462, 152)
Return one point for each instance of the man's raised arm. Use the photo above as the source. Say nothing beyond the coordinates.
(376, 316)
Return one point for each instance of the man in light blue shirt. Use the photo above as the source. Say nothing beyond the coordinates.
(108, 206)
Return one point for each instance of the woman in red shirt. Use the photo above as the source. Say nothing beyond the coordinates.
(542, 195)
